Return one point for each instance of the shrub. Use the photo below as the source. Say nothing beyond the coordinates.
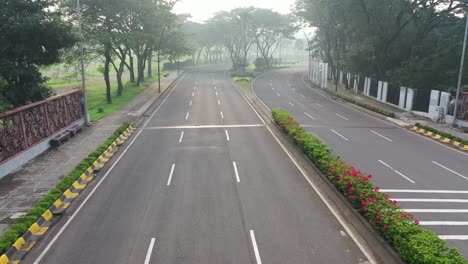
(398, 228)
(367, 106)
(22, 224)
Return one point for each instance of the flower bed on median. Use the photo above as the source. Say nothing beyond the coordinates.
(415, 244)
(22, 225)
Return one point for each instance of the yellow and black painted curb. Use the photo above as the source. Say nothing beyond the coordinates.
(35, 232)
(440, 138)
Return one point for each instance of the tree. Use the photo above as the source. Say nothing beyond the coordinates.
(235, 31)
(269, 28)
(31, 35)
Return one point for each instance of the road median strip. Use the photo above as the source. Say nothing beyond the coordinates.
(438, 137)
(21, 237)
(398, 228)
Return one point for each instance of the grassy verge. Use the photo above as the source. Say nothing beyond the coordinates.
(96, 95)
(415, 244)
(22, 225)
(367, 106)
(444, 134)
(243, 82)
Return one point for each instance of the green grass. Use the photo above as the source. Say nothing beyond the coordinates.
(243, 82)
(62, 83)
(96, 95)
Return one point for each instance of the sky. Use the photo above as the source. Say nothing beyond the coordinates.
(202, 10)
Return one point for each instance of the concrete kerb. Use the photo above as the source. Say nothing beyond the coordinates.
(37, 230)
(440, 138)
(380, 249)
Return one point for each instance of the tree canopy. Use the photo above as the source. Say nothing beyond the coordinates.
(415, 43)
(31, 35)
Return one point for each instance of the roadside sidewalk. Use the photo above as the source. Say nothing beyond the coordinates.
(20, 190)
(408, 118)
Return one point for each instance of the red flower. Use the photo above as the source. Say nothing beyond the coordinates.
(348, 183)
(385, 226)
(416, 222)
(351, 189)
(377, 188)
(350, 197)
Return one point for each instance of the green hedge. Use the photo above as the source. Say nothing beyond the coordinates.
(445, 135)
(415, 244)
(367, 106)
(23, 224)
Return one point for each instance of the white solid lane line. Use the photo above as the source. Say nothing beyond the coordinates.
(222, 115)
(452, 171)
(255, 247)
(339, 135)
(150, 250)
(187, 116)
(431, 200)
(181, 137)
(386, 138)
(397, 172)
(278, 94)
(454, 237)
(342, 117)
(422, 191)
(227, 135)
(313, 118)
(291, 103)
(443, 211)
(234, 164)
(170, 175)
(443, 223)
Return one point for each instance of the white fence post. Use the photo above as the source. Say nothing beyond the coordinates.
(379, 91)
(384, 92)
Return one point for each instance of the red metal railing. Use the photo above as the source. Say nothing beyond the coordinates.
(26, 126)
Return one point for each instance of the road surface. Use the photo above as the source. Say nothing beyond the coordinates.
(427, 178)
(203, 181)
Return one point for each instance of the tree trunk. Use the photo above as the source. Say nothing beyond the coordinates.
(150, 70)
(131, 69)
(108, 59)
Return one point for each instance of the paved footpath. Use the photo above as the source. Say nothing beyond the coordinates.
(20, 190)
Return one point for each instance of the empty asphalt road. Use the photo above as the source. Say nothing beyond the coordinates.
(425, 177)
(203, 181)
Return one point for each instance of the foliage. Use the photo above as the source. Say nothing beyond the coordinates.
(22, 225)
(415, 43)
(398, 228)
(444, 134)
(31, 35)
(243, 82)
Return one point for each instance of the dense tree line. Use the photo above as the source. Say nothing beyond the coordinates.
(234, 33)
(31, 34)
(413, 43)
